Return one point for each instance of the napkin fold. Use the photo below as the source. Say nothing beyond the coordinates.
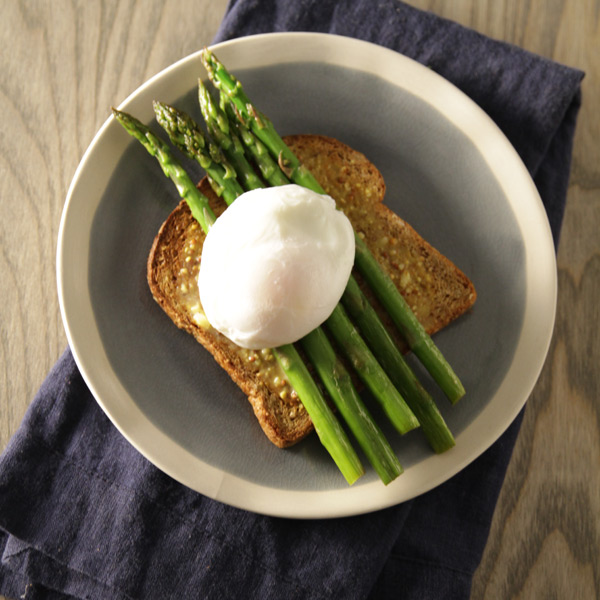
(83, 515)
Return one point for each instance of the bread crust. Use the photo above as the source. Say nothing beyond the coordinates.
(436, 289)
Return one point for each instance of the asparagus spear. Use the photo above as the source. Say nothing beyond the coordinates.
(197, 201)
(332, 436)
(417, 338)
(270, 170)
(366, 365)
(249, 116)
(229, 142)
(350, 405)
(328, 429)
(434, 427)
(185, 134)
(189, 138)
(370, 371)
(415, 335)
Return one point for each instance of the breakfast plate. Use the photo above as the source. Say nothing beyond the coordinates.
(449, 172)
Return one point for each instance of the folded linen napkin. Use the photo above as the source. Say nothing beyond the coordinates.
(83, 515)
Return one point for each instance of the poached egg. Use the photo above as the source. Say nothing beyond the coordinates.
(274, 265)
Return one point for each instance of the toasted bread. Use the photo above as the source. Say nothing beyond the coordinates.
(436, 289)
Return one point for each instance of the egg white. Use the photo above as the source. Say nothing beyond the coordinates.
(274, 265)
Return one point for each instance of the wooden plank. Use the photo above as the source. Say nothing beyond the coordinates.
(545, 536)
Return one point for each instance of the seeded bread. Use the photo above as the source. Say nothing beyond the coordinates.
(436, 289)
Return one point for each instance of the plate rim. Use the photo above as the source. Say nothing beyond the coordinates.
(175, 460)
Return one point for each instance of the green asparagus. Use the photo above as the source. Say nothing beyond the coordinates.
(366, 365)
(370, 371)
(269, 168)
(178, 126)
(390, 358)
(261, 141)
(350, 405)
(185, 135)
(374, 332)
(328, 429)
(218, 127)
(417, 338)
(413, 332)
(197, 201)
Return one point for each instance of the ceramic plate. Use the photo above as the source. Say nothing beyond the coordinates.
(449, 172)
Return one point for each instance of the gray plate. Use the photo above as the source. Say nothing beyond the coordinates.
(449, 172)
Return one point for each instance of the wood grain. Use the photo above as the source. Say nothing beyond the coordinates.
(65, 63)
(545, 536)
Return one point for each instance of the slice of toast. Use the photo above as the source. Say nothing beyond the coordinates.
(436, 289)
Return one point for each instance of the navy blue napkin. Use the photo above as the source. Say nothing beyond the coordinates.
(83, 515)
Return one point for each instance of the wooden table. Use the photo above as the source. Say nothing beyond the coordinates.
(64, 64)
